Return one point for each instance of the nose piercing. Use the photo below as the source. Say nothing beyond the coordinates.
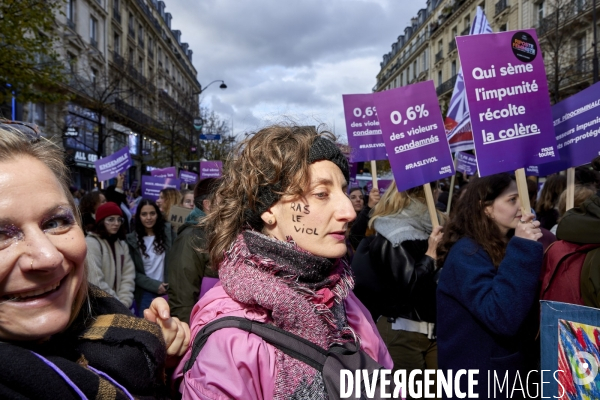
(31, 266)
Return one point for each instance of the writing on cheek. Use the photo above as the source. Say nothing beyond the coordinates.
(299, 207)
(296, 218)
(307, 231)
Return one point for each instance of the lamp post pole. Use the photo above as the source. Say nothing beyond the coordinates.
(202, 89)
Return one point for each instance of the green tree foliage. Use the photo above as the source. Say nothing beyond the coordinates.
(28, 61)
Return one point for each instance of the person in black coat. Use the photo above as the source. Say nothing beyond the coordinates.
(395, 277)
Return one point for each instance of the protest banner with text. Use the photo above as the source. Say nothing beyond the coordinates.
(466, 163)
(168, 172)
(577, 129)
(188, 177)
(177, 216)
(414, 135)
(508, 100)
(211, 169)
(110, 166)
(152, 185)
(362, 128)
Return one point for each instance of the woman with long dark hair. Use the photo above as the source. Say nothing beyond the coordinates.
(486, 296)
(148, 246)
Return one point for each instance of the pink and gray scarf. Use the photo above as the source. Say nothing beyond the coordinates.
(304, 295)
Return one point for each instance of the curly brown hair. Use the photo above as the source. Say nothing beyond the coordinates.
(275, 158)
(470, 220)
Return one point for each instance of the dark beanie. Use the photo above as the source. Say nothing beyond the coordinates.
(108, 209)
(321, 149)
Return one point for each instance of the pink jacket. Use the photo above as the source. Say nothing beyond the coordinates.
(240, 365)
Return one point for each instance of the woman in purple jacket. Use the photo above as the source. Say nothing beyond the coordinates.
(276, 234)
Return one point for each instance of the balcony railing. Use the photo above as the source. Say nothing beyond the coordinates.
(71, 24)
(446, 86)
(501, 6)
(134, 114)
(118, 60)
(564, 15)
(439, 56)
(466, 31)
(451, 46)
(94, 42)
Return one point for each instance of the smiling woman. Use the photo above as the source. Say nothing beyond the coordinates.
(60, 337)
(276, 234)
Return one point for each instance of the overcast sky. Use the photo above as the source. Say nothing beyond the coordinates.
(288, 58)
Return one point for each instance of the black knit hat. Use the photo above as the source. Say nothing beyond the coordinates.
(321, 149)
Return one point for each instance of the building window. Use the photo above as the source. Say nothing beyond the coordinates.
(37, 114)
(117, 44)
(439, 78)
(467, 22)
(141, 65)
(453, 68)
(71, 11)
(93, 75)
(503, 27)
(94, 31)
(72, 63)
(581, 50)
(131, 55)
(441, 45)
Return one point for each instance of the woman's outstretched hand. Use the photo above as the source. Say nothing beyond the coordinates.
(175, 332)
(527, 228)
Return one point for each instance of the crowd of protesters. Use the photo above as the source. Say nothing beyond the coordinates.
(280, 239)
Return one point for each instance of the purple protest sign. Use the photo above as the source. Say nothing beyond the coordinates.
(188, 177)
(110, 166)
(353, 170)
(414, 135)
(362, 128)
(577, 129)
(211, 169)
(168, 172)
(466, 163)
(508, 100)
(152, 185)
(382, 185)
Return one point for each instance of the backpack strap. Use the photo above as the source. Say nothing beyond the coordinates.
(290, 344)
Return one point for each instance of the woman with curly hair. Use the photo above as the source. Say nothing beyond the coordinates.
(487, 291)
(148, 246)
(276, 235)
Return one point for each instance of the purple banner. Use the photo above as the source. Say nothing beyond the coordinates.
(382, 185)
(414, 134)
(188, 177)
(577, 129)
(353, 171)
(362, 128)
(152, 185)
(168, 172)
(110, 166)
(211, 169)
(466, 163)
(508, 100)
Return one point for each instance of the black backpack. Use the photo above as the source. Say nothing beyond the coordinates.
(328, 362)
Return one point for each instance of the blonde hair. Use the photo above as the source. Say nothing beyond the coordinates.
(582, 193)
(14, 145)
(274, 159)
(171, 197)
(393, 202)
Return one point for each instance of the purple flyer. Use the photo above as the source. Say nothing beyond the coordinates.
(414, 134)
(382, 185)
(152, 185)
(188, 177)
(507, 93)
(362, 128)
(577, 129)
(466, 163)
(353, 170)
(168, 172)
(211, 169)
(110, 166)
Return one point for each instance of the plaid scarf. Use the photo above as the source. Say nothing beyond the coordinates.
(104, 337)
(304, 295)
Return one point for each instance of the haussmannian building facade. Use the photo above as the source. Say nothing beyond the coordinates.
(129, 73)
(426, 50)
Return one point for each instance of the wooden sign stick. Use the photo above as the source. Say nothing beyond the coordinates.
(374, 173)
(451, 187)
(523, 192)
(431, 205)
(570, 188)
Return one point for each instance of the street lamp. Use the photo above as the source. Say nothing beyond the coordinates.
(221, 86)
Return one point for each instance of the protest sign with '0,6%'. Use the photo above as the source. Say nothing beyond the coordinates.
(414, 135)
(508, 100)
(110, 166)
(577, 129)
(362, 128)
